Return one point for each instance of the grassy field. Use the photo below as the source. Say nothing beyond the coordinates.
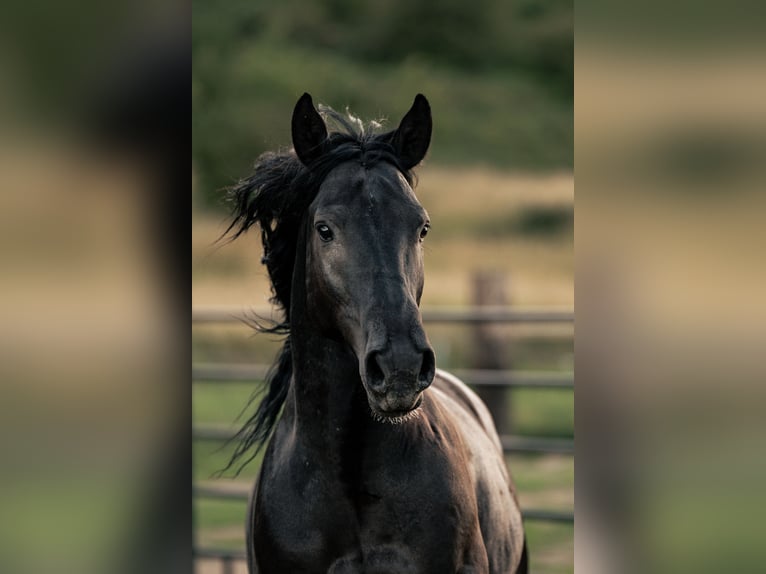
(518, 225)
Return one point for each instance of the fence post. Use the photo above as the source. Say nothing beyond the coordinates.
(490, 349)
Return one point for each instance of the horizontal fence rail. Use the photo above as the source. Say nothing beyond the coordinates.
(232, 372)
(482, 314)
(511, 444)
(225, 557)
(241, 492)
(229, 372)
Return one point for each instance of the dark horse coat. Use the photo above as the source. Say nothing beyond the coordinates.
(377, 461)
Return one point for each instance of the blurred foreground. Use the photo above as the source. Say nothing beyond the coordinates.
(94, 408)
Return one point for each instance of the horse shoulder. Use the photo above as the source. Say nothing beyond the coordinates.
(497, 504)
(469, 400)
(289, 508)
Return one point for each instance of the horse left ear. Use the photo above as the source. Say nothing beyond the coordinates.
(308, 130)
(413, 136)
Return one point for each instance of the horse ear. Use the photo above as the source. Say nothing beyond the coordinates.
(413, 136)
(308, 129)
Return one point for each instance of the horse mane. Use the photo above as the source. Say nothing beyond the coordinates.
(276, 196)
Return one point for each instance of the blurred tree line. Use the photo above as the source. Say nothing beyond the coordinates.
(499, 76)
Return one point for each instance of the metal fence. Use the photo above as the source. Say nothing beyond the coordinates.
(223, 372)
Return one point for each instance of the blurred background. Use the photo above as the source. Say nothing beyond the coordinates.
(497, 182)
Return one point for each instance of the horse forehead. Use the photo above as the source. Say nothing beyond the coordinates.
(378, 187)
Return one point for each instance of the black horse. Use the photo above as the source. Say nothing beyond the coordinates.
(379, 463)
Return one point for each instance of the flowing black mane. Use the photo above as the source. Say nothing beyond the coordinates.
(276, 196)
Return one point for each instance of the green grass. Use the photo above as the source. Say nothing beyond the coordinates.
(219, 513)
(538, 473)
(551, 547)
(221, 523)
(220, 402)
(542, 412)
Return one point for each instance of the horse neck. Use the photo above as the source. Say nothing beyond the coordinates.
(326, 388)
(326, 401)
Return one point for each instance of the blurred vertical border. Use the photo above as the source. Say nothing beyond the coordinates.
(94, 392)
(670, 161)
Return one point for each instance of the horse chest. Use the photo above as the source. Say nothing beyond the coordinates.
(300, 519)
(394, 510)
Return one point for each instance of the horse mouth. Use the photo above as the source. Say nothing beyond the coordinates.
(396, 417)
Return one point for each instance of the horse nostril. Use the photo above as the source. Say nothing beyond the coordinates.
(427, 370)
(375, 377)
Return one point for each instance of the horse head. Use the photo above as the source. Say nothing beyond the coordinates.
(364, 255)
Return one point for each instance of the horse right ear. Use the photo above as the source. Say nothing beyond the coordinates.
(308, 129)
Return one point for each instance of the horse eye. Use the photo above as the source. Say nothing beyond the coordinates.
(424, 231)
(325, 233)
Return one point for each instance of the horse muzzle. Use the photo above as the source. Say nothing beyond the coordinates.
(395, 379)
